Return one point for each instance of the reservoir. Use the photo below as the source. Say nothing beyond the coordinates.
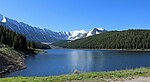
(65, 61)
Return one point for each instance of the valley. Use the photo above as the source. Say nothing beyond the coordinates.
(74, 41)
(78, 44)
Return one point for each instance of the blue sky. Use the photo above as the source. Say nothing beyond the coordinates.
(68, 15)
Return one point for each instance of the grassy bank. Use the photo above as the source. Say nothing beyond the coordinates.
(93, 76)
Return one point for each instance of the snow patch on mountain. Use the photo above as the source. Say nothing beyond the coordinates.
(89, 34)
(77, 34)
(100, 29)
(4, 19)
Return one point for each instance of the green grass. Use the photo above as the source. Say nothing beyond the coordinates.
(97, 76)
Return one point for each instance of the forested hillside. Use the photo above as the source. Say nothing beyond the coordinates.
(17, 41)
(61, 42)
(129, 39)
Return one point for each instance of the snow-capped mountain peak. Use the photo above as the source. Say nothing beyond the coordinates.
(100, 29)
(76, 32)
(95, 31)
(2, 19)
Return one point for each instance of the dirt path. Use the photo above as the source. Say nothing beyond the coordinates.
(137, 79)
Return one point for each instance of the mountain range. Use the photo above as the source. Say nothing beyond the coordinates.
(46, 35)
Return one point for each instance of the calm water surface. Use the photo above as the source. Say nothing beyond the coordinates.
(65, 61)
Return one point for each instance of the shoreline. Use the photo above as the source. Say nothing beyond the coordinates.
(120, 75)
(14, 60)
(122, 49)
(59, 47)
(138, 50)
(17, 66)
